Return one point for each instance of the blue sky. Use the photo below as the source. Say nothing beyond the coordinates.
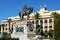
(9, 8)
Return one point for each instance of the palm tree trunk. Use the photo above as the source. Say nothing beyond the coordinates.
(36, 26)
(3, 29)
(9, 26)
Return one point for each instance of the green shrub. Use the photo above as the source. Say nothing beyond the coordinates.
(14, 39)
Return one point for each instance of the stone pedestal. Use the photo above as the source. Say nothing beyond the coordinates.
(20, 35)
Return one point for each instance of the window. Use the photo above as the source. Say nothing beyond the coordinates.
(50, 20)
(45, 31)
(6, 28)
(50, 26)
(45, 26)
(41, 21)
(37, 21)
(33, 22)
(3, 28)
(45, 21)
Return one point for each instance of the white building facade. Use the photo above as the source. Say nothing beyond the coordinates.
(46, 19)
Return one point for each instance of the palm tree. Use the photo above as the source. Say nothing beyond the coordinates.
(9, 22)
(39, 30)
(37, 15)
(36, 18)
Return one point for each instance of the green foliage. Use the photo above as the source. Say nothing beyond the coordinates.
(42, 33)
(50, 33)
(9, 20)
(3, 25)
(14, 39)
(7, 37)
(37, 15)
(56, 25)
(46, 35)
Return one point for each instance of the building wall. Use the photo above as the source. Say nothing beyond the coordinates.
(46, 20)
